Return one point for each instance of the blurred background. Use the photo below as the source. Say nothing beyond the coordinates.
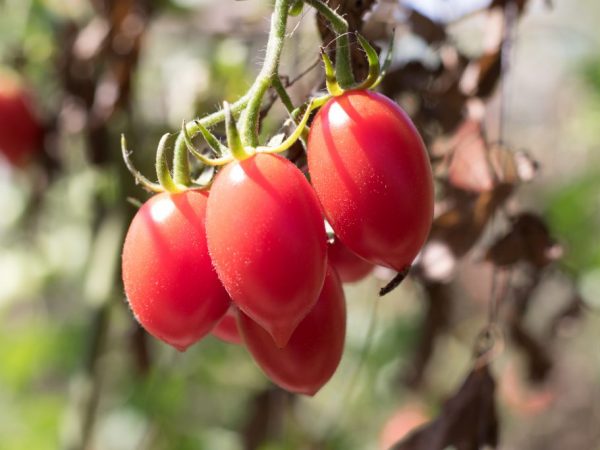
(507, 97)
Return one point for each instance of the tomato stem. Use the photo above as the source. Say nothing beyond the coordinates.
(181, 169)
(333, 86)
(206, 122)
(139, 178)
(343, 61)
(373, 60)
(289, 106)
(162, 168)
(387, 62)
(251, 115)
(234, 139)
(214, 144)
(292, 137)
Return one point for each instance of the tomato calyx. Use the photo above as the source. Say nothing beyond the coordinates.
(375, 74)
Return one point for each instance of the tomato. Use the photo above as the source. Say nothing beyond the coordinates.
(314, 350)
(169, 280)
(371, 172)
(227, 328)
(21, 132)
(267, 241)
(349, 266)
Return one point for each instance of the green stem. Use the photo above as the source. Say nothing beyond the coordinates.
(194, 127)
(282, 93)
(343, 60)
(162, 169)
(250, 116)
(234, 140)
(289, 106)
(181, 169)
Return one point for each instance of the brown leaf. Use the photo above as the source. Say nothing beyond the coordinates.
(426, 28)
(468, 420)
(469, 167)
(528, 240)
(461, 226)
(475, 166)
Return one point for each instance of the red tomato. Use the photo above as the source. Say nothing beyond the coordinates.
(20, 130)
(227, 328)
(169, 280)
(371, 172)
(349, 266)
(314, 350)
(267, 241)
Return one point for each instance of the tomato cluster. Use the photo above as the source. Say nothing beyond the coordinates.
(249, 259)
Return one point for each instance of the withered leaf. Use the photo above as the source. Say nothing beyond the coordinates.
(468, 420)
(528, 240)
(461, 226)
(426, 28)
(475, 166)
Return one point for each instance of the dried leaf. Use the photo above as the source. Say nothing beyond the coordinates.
(426, 28)
(468, 420)
(528, 240)
(469, 167)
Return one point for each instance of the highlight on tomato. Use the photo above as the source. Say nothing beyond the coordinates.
(21, 131)
(267, 241)
(349, 266)
(370, 170)
(169, 280)
(313, 351)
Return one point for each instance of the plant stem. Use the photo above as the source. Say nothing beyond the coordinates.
(250, 116)
(343, 64)
(207, 122)
(282, 93)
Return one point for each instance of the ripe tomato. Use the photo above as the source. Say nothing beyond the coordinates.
(349, 266)
(267, 241)
(227, 328)
(20, 130)
(371, 172)
(314, 350)
(169, 280)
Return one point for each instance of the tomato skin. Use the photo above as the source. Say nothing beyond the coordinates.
(267, 241)
(227, 328)
(349, 266)
(21, 132)
(371, 172)
(314, 350)
(169, 280)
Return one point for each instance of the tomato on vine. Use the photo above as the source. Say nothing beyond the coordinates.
(267, 241)
(227, 328)
(169, 280)
(371, 172)
(349, 266)
(315, 348)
